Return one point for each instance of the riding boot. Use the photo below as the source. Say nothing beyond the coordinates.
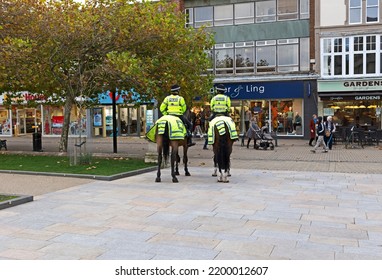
(249, 140)
(189, 139)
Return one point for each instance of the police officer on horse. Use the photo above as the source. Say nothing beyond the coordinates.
(175, 105)
(220, 103)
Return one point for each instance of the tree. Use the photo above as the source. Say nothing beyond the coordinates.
(68, 49)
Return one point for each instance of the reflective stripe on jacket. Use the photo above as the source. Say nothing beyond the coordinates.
(173, 105)
(220, 104)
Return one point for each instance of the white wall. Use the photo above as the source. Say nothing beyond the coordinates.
(332, 13)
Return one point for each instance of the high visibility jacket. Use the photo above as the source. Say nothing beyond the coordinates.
(173, 105)
(220, 103)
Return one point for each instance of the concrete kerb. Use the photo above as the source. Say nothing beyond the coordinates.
(19, 199)
(85, 176)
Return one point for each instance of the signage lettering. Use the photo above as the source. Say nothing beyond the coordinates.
(363, 84)
(368, 97)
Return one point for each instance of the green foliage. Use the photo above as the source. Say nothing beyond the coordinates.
(66, 49)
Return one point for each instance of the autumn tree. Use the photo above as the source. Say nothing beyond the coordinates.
(70, 49)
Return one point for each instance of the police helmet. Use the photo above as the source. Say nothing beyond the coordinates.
(220, 88)
(175, 88)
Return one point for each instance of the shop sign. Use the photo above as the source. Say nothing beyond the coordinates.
(122, 96)
(265, 90)
(350, 97)
(350, 85)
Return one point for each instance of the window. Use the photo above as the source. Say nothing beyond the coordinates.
(266, 11)
(287, 55)
(189, 17)
(224, 58)
(244, 57)
(304, 54)
(351, 56)
(203, 16)
(355, 11)
(266, 56)
(244, 13)
(358, 55)
(304, 9)
(223, 15)
(326, 60)
(337, 56)
(287, 9)
(372, 8)
(371, 54)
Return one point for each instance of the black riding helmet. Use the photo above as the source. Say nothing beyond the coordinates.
(175, 89)
(220, 88)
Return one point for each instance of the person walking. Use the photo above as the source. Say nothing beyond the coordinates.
(320, 133)
(252, 132)
(312, 126)
(247, 118)
(330, 127)
(175, 105)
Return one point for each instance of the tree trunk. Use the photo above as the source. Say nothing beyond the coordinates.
(65, 129)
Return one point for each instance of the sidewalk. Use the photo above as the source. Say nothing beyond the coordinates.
(281, 204)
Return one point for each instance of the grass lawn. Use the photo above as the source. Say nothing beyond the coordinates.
(61, 164)
(6, 197)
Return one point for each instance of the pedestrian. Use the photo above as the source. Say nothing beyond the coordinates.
(253, 132)
(320, 130)
(175, 105)
(330, 127)
(312, 127)
(247, 118)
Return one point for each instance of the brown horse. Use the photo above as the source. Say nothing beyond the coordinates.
(163, 148)
(222, 147)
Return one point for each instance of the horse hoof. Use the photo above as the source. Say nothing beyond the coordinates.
(177, 173)
(175, 180)
(188, 174)
(157, 180)
(214, 175)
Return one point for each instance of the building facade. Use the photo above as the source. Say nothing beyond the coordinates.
(349, 60)
(263, 54)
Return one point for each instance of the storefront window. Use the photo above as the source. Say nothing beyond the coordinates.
(5, 123)
(286, 115)
(366, 114)
(53, 120)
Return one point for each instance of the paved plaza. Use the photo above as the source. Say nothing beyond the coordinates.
(282, 204)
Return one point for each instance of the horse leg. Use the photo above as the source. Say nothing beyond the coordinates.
(174, 154)
(177, 165)
(215, 173)
(159, 167)
(185, 160)
(225, 176)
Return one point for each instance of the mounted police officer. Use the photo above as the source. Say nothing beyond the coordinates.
(175, 105)
(220, 104)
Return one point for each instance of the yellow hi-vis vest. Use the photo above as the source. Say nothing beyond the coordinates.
(173, 105)
(220, 103)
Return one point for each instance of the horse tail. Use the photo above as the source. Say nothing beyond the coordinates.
(223, 155)
(166, 143)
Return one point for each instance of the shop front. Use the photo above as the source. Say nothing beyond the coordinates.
(276, 104)
(21, 119)
(352, 102)
(131, 120)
